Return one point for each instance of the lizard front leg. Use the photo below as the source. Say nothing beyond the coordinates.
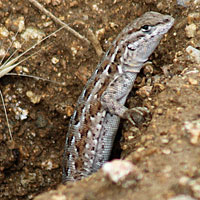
(114, 97)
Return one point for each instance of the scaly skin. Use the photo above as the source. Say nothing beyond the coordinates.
(96, 118)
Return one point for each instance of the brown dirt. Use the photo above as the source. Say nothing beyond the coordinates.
(162, 148)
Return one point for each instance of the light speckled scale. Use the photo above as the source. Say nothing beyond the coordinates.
(95, 121)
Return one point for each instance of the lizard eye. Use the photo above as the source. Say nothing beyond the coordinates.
(146, 28)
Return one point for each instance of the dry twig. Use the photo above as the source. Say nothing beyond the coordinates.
(40, 7)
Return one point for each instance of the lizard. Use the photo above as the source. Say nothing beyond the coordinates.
(96, 118)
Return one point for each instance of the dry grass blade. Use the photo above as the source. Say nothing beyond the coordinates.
(11, 63)
(10, 133)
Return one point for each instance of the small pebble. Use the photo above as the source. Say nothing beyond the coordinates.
(165, 140)
(54, 60)
(148, 69)
(145, 91)
(17, 45)
(160, 111)
(18, 69)
(194, 54)
(193, 16)
(32, 33)
(184, 3)
(118, 170)
(73, 4)
(182, 197)
(2, 54)
(49, 164)
(4, 32)
(192, 81)
(190, 30)
(20, 113)
(100, 33)
(25, 69)
(69, 111)
(33, 97)
(184, 180)
(194, 129)
(166, 151)
(20, 23)
(56, 2)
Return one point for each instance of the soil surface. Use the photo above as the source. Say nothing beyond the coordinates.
(166, 149)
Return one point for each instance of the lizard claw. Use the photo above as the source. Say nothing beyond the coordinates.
(136, 115)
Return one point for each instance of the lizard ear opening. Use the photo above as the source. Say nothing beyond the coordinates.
(131, 47)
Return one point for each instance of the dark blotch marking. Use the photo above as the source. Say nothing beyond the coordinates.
(103, 87)
(131, 31)
(91, 86)
(109, 70)
(112, 49)
(87, 93)
(78, 148)
(112, 69)
(95, 107)
(117, 57)
(78, 113)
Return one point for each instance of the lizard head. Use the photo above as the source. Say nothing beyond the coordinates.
(139, 39)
